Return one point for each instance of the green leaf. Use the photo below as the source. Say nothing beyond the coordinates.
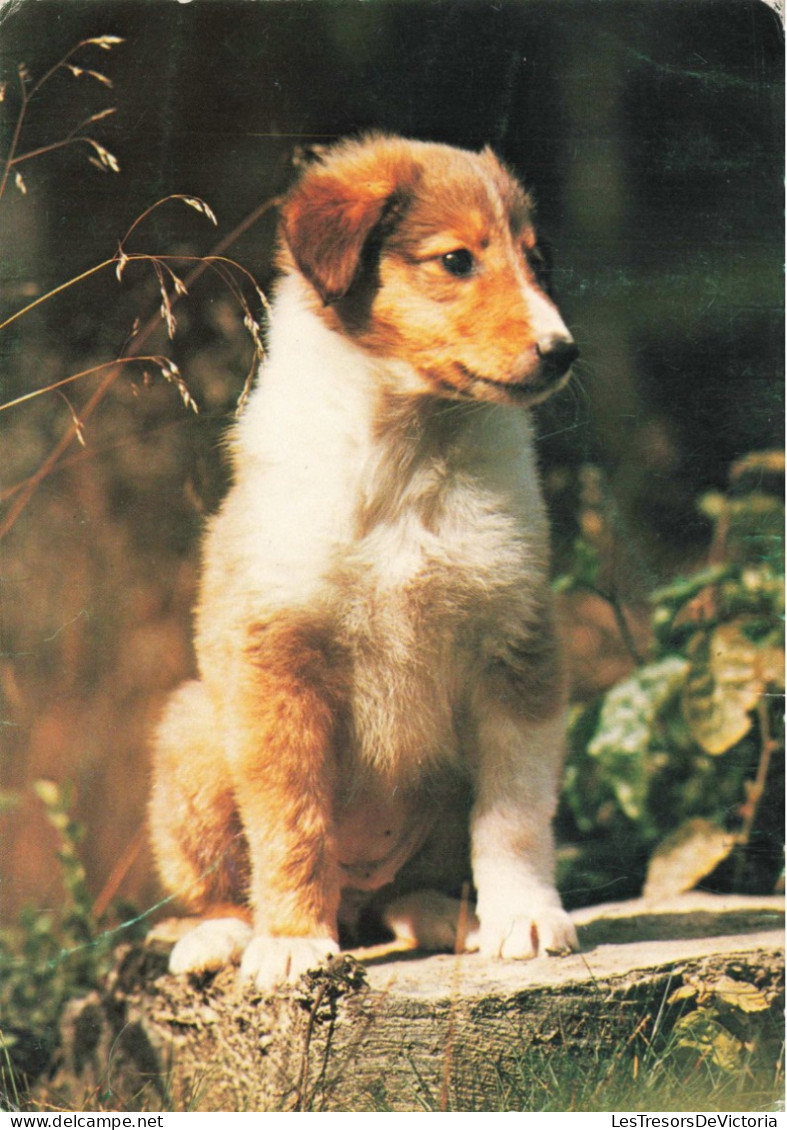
(585, 568)
(723, 686)
(626, 728)
(739, 994)
(685, 856)
(758, 463)
(631, 707)
(684, 589)
(770, 666)
(48, 792)
(686, 992)
(702, 1033)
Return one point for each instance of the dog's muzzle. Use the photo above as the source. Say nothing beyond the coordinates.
(556, 353)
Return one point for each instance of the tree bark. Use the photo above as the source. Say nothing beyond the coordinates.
(408, 1032)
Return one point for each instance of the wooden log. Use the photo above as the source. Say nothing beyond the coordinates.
(407, 1032)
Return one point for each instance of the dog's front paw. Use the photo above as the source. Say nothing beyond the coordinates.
(216, 942)
(545, 931)
(269, 961)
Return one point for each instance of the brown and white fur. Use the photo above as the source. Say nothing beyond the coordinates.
(379, 708)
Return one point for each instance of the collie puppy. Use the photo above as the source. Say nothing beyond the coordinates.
(378, 717)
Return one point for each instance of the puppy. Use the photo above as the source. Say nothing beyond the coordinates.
(379, 708)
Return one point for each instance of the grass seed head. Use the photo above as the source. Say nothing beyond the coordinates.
(79, 71)
(105, 159)
(200, 206)
(101, 114)
(105, 42)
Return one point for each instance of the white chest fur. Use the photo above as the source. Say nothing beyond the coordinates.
(420, 533)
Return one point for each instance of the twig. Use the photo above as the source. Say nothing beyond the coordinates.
(459, 946)
(105, 41)
(622, 623)
(16, 134)
(57, 290)
(756, 789)
(29, 486)
(72, 139)
(152, 358)
(303, 1075)
(118, 873)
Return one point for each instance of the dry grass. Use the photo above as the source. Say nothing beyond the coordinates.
(103, 485)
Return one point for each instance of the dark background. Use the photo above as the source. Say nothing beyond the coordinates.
(651, 135)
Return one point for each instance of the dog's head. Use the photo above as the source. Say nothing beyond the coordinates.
(427, 254)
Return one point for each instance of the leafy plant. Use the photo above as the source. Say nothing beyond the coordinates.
(694, 732)
(723, 1021)
(50, 956)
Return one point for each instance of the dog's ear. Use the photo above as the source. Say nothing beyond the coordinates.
(330, 214)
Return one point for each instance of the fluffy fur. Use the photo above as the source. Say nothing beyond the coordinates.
(379, 705)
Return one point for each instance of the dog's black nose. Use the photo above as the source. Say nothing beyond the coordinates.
(558, 353)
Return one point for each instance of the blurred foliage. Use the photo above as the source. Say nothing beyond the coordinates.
(50, 955)
(695, 731)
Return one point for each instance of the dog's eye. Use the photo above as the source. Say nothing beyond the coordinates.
(459, 263)
(539, 260)
(536, 259)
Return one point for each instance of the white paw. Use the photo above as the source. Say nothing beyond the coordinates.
(216, 942)
(546, 931)
(269, 961)
(428, 919)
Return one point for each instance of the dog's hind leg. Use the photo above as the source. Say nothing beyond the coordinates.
(195, 830)
(431, 920)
